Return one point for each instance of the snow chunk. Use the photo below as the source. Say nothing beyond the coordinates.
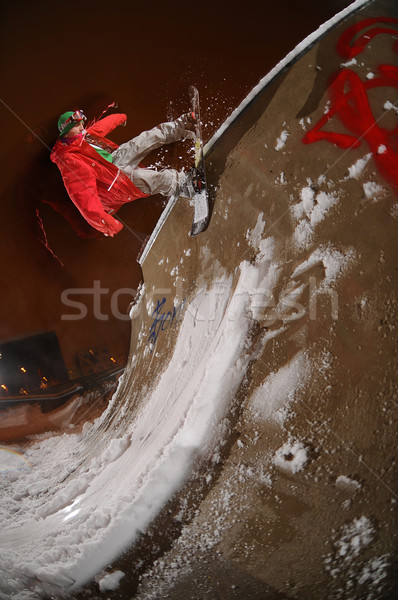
(327, 107)
(324, 203)
(303, 234)
(356, 170)
(292, 457)
(349, 63)
(258, 281)
(281, 141)
(110, 581)
(281, 179)
(135, 307)
(309, 212)
(372, 190)
(335, 263)
(307, 196)
(174, 271)
(347, 485)
(302, 124)
(390, 106)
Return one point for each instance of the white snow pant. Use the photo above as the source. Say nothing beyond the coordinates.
(128, 156)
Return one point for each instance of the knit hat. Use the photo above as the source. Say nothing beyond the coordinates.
(64, 126)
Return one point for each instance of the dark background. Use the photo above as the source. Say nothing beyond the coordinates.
(57, 56)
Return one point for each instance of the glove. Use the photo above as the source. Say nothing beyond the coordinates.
(187, 121)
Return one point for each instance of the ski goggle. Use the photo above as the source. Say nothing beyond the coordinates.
(76, 117)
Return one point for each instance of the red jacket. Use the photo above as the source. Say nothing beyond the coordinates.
(95, 185)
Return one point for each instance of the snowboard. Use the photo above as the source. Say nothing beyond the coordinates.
(200, 197)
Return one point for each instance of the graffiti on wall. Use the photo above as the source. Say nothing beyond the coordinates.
(164, 319)
(350, 102)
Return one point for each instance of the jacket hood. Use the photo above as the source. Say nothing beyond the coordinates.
(60, 147)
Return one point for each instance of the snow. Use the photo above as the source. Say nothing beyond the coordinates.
(309, 212)
(254, 236)
(307, 196)
(335, 263)
(390, 106)
(374, 571)
(356, 170)
(281, 141)
(349, 545)
(324, 203)
(201, 208)
(136, 305)
(11, 460)
(281, 179)
(350, 63)
(372, 190)
(110, 581)
(272, 399)
(291, 457)
(347, 484)
(354, 538)
(136, 473)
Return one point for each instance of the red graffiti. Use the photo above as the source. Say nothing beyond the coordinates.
(348, 50)
(350, 104)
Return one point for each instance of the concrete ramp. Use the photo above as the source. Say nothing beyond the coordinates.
(304, 226)
(250, 449)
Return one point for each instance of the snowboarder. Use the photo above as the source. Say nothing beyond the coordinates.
(101, 176)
